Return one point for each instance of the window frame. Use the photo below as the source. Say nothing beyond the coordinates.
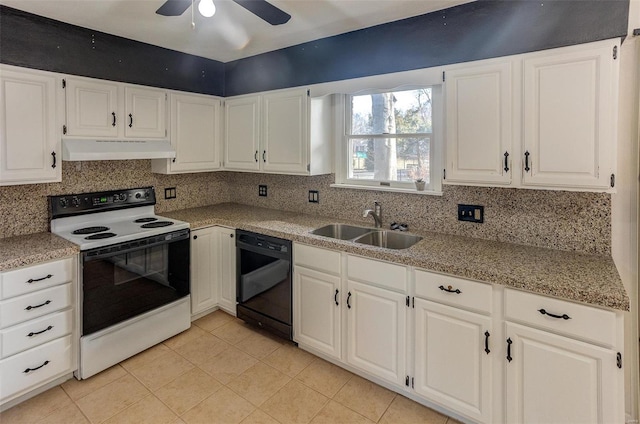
(436, 148)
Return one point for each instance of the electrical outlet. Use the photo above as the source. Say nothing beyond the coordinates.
(471, 213)
(262, 190)
(170, 193)
(314, 196)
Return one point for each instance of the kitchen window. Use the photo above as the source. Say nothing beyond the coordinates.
(390, 140)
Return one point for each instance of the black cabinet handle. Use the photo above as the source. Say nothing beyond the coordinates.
(264, 156)
(195, 237)
(28, 370)
(486, 342)
(506, 161)
(130, 120)
(335, 297)
(509, 358)
(113, 115)
(348, 297)
(231, 235)
(255, 156)
(53, 155)
(40, 332)
(450, 290)
(526, 161)
(35, 280)
(563, 316)
(28, 308)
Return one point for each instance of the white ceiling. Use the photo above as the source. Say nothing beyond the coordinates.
(233, 32)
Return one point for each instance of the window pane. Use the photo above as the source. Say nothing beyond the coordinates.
(399, 112)
(389, 159)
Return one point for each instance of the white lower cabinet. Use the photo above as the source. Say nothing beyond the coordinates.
(376, 331)
(453, 361)
(213, 269)
(446, 341)
(317, 310)
(37, 327)
(227, 269)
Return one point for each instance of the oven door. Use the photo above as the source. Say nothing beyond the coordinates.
(122, 281)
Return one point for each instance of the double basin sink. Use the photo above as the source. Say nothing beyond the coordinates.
(370, 236)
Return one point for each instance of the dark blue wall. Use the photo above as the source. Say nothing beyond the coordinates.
(472, 31)
(36, 42)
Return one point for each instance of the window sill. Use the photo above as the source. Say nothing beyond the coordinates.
(390, 189)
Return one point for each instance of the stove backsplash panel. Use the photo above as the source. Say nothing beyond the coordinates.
(553, 219)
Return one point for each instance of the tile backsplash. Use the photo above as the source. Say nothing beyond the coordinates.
(554, 219)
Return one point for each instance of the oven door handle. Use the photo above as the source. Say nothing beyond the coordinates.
(131, 246)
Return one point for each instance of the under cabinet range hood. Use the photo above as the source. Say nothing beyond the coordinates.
(85, 150)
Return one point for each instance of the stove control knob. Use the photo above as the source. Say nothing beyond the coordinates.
(138, 195)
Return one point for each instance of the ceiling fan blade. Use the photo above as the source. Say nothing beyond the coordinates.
(265, 11)
(174, 7)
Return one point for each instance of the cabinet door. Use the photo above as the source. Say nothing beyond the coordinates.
(204, 291)
(286, 132)
(452, 366)
(145, 112)
(317, 310)
(376, 331)
(554, 379)
(92, 108)
(479, 124)
(195, 126)
(242, 134)
(569, 125)
(227, 268)
(29, 142)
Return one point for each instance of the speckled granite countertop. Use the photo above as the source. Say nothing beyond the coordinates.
(31, 249)
(579, 277)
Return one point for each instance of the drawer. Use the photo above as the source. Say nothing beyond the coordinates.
(29, 279)
(454, 291)
(35, 367)
(35, 332)
(317, 258)
(34, 305)
(584, 322)
(382, 274)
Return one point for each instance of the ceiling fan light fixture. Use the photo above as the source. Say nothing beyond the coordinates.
(206, 8)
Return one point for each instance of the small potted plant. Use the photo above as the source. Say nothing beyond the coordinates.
(420, 183)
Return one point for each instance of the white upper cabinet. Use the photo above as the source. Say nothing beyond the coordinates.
(479, 123)
(570, 105)
(242, 133)
(280, 132)
(195, 134)
(554, 113)
(92, 108)
(145, 112)
(286, 133)
(29, 140)
(97, 108)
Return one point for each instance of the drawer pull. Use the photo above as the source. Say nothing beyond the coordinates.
(335, 297)
(28, 308)
(348, 297)
(39, 332)
(28, 370)
(486, 342)
(563, 316)
(35, 280)
(449, 289)
(509, 358)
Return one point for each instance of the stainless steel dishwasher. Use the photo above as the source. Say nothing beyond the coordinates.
(264, 280)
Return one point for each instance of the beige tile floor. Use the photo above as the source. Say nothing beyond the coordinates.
(222, 371)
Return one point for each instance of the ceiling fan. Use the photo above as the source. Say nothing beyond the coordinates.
(260, 8)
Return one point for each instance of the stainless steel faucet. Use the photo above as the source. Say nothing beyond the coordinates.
(376, 213)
